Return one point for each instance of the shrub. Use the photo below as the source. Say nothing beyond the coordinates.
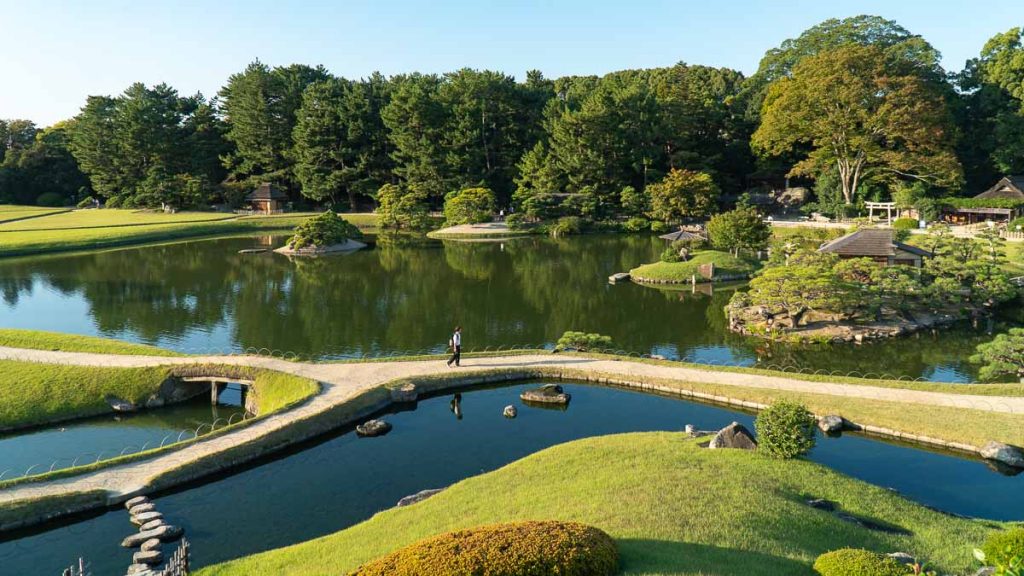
(1005, 548)
(856, 562)
(785, 430)
(402, 207)
(1014, 224)
(567, 225)
(469, 206)
(671, 255)
(50, 199)
(113, 202)
(582, 341)
(739, 229)
(516, 221)
(636, 224)
(512, 549)
(904, 224)
(86, 202)
(659, 227)
(324, 230)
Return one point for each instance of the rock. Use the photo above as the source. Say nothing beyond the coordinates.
(252, 250)
(373, 428)
(1009, 455)
(822, 504)
(404, 393)
(618, 277)
(831, 424)
(509, 411)
(150, 557)
(131, 503)
(734, 435)
(140, 508)
(346, 246)
(119, 405)
(140, 519)
(694, 432)
(417, 497)
(164, 533)
(151, 544)
(152, 524)
(547, 394)
(140, 570)
(985, 571)
(657, 357)
(902, 558)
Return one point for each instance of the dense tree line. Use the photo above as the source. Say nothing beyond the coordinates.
(860, 107)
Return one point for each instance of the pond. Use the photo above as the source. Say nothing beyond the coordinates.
(86, 440)
(341, 480)
(406, 295)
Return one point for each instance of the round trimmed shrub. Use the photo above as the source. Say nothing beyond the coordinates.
(785, 430)
(856, 562)
(1001, 547)
(511, 549)
(469, 206)
(324, 230)
(636, 224)
(904, 224)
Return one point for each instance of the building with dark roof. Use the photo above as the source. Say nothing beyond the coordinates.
(267, 199)
(1009, 189)
(877, 244)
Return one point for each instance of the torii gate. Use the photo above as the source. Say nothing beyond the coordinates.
(887, 206)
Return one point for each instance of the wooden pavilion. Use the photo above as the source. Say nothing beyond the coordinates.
(878, 244)
(266, 199)
(1009, 188)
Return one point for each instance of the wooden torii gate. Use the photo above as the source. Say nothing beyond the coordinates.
(887, 206)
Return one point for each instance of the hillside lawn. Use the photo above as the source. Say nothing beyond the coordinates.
(672, 507)
(679, 272)
(10, 213)
(58, 341)
(91, 229)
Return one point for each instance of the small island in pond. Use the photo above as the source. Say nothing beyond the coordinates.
(867, 285)
(325, 234)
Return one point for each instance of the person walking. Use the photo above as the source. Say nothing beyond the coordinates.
(455, 343)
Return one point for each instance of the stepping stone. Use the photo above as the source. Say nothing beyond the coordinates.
(140, 508)
(152, 524)
(151, 544)
(547, 394)
(133, 502)
(373, 428)
(418, 497)
(148, 557)
(140, 570)
(164, 533)
(140, 519)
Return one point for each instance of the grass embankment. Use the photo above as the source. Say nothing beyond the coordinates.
(32, 393)
(678, 272)
(58, 341)
(90, 229)
(672, 507)
(10, 213)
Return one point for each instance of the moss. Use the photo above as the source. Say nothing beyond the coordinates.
(512, 549)
(856, 562)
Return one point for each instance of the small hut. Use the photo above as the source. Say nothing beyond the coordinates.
(692, 234)
(1000, 197)
(878, 244)
(266, 199)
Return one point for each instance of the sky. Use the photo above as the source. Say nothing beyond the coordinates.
(54, 53)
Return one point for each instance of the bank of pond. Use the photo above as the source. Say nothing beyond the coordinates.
(340, 480)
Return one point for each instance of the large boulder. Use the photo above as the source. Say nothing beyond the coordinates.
(1004, 453)
(418, 497)
(119, 405)
(734, 435)
(373, 428)
(547, 394)
(831, 424)
(404, 393)
(510, 411)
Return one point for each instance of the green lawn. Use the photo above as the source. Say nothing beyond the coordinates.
(32, 393)
(725, 264)
(40, 340)
(673, 508)
(91, 229)
(10, 212)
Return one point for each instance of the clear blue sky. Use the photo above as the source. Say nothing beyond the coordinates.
(57, 53)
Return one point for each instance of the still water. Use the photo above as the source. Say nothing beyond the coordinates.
(341, 479)
(406, 295)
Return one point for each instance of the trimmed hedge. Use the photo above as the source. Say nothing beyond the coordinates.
(1002, 546)
(529, 548)
(785, 430)
(856, 562)
(905, 224)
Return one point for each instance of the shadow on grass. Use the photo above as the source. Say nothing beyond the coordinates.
(661, 557)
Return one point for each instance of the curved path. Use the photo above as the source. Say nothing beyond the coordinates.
(341, 382)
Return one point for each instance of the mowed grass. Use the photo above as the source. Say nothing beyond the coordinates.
(32, 393)
(672, 507)
(725, 264)
(41, 340)
(9, 212)
(92, 229)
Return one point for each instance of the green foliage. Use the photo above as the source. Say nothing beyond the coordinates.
(671, 254)
(40, 340)
(566, 226)
(636, 224)
(806, 283)
(322, 231)
(401, 206)
(682, 194)
(659, 227)
(1002, 548)
(87, 202)
(905, 224)
(36, 166)
(635, 204)
(469, 206)
(739, 229)
(583, 341)
(785, 430)
(982, 203)
(1003, 356)
(857, 562)
(528, 548)
(51, 199)
(516, 221)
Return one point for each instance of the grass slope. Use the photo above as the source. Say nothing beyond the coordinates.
(33, 393)
(90, 229)
(40, 340)
(673, 508)
(10, 213)
(725, 264)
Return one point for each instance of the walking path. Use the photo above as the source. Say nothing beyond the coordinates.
(343, 381)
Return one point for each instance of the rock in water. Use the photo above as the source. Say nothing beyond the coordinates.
(152, 524)
(150, 557)
(509, 411)
(163, 533)
(404, 393)
(547, 394)
(140, 508)
(417, 497)
(831, 424)
(140, 570)
(1009, 455)
(133, 502)
(373, 428)
(151, 544)
(119, 405)
(734, 435)
(140, 519)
